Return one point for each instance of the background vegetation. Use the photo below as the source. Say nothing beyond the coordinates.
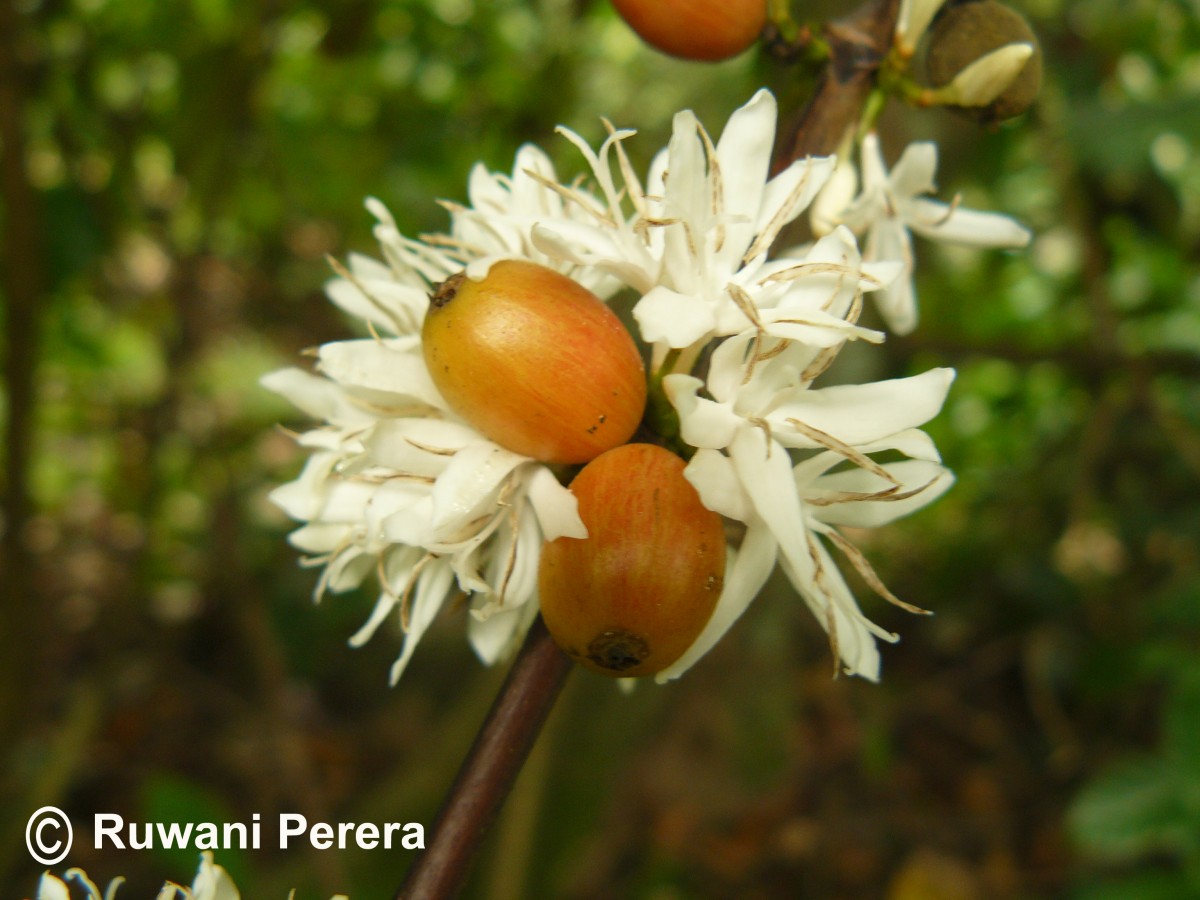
(174, 174)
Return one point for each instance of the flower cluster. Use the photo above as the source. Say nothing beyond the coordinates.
(737, 331)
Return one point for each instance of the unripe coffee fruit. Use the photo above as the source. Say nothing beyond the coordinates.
(706, 30)
(966, 31)
(535, 361)
(633, 595)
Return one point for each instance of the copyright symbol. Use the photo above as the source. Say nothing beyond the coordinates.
(43, 835)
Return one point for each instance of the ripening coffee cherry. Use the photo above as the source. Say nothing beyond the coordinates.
(535, 361)
(966, 31)
(634, 595)
(708, 30)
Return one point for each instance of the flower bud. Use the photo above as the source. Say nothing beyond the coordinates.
(635, 594)
(708, 30)
(535, 361)
(985, 80)
(967, 33)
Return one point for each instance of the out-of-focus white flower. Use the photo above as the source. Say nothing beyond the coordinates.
(212, 882)
(762, 406)
(50, 887)
(893, 204)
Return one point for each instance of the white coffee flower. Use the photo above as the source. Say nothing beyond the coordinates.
(891, 205)
(694, 241)
(762, 406)
(398, 486)
(401, 489)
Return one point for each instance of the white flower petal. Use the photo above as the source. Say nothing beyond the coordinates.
(318, 537)
(765, 471)
(854, 632)
(468, 484)
(911, 475)
(597, 249)
(703, 423)
(956, 225)
(413, 524)
(815, 328)
(835, 197)
(791, 192)
(911, 442)
(393, 367)
(51, 888)
(675, 319)
(913, 20)
(989, 76)
(212, 882)
(419, 448)
(897, 303)
(314, 395)
(497, 636)
(712, 474)
(860, 413)
(744, 157)
(303, 498)
(346, 571)
(556, 507)
(914, 171)
(433, 584)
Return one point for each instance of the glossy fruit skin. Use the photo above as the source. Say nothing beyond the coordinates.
(705, 30)
(535, 361)
(635, 594)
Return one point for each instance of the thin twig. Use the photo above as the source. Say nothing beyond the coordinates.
(491, 767)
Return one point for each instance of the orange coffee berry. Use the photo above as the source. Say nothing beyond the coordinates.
(706, 30)
(635, 594)
(535, 361)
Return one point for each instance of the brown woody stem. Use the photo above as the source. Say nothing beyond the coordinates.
(858, 45)
(491, 767)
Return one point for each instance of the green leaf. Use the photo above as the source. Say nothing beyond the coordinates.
(1134, 809)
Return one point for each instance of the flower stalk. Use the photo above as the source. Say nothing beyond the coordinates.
(487, 774)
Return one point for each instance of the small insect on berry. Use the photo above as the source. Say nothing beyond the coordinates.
(535, 361)
(705, 30)
(635, 594)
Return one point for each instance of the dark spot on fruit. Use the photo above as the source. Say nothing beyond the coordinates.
(618, 650)
(447, 290)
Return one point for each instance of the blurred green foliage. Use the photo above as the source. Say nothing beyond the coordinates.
(193, 163)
